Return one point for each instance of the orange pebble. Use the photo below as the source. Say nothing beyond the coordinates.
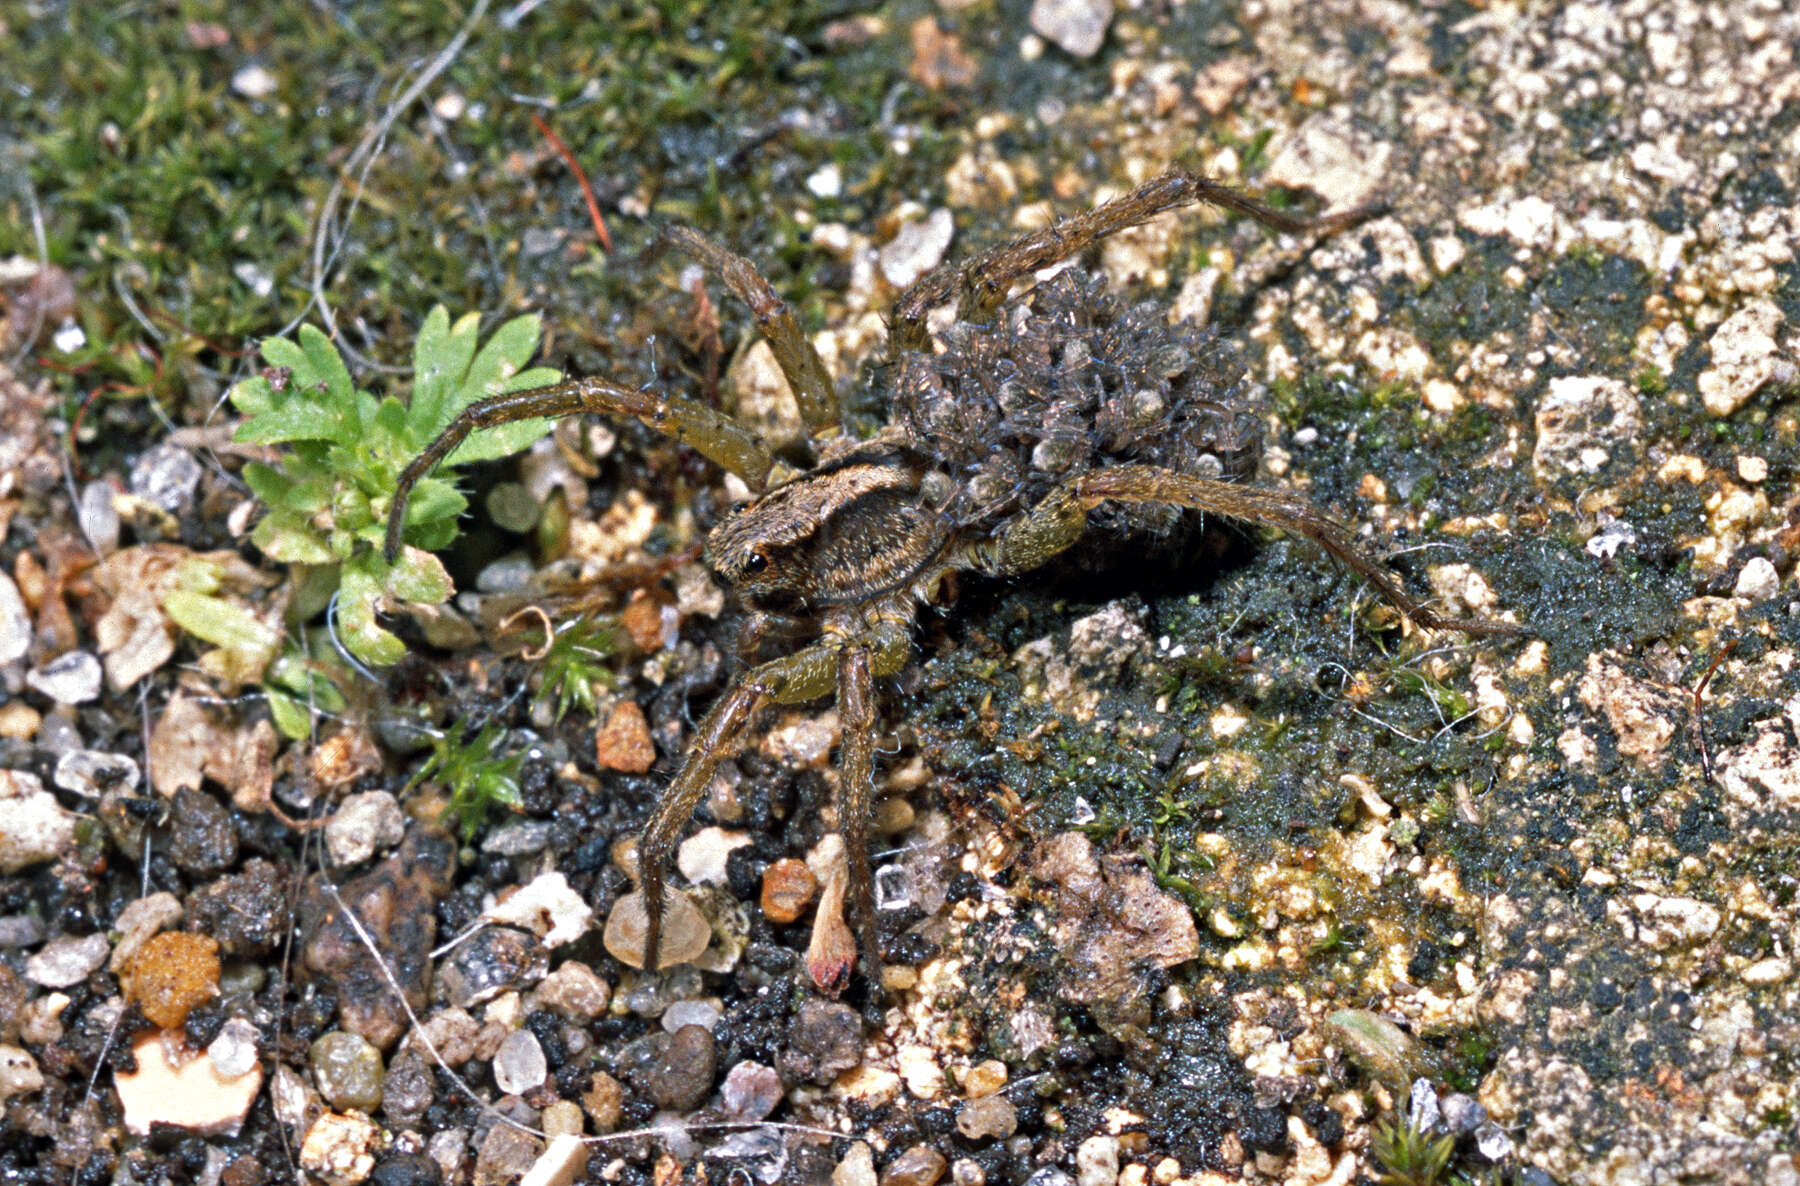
(171, 973)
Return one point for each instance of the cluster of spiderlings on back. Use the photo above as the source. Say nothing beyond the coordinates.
(1071, 380)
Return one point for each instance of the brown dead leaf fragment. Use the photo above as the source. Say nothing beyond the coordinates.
(345, 756)
(187, 744)
(136, 634)
(1112, 921)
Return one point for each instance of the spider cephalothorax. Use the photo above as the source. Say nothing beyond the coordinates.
(1030, 426)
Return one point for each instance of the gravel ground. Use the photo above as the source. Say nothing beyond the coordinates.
(1194, 867)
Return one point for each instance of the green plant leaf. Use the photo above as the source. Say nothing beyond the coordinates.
(418, 576)
(246, 644)
(290, 538)
(359, 596)
(253, 396)
(441, 359)
(325, 365)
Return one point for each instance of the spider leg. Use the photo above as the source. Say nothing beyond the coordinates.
(856, 794)
(721, 439)
(794, 353)
(1058, 520)
(980, 284)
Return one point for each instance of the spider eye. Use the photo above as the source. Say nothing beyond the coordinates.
(755, 562)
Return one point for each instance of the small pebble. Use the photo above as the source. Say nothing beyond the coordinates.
(1492, 1142)
(604, 1102)
(406, 1092)
(750, 1091)
(202, 838)
(93, 772)
(363, 825)
(509, 574)
(703, 856)
(19, 721)
(140, 920)
(575, 991)
(1097, 1161)
(73, 678)
(1077, 27)
(15, 622)
(548, 907)
(67, 962)
(33, 826)
(19, 1074)
(1462, 1113)
(98, 517)
(857, 1168)
(788, 887)
(966, 1171)
(563, 1160)
(519, 1064)
(920, 1165)
(563, 1116)
(704, 1014)
(495, 960)
(254, 82)
(685, 931)
(675, 1070)
(506, 1156)
(824, 1041)
(190, 1093)
(990, 1117)
(347, 1070)
(624, 743)
(984, 1078)
(166, 475)
(340, 1150)
(234, 1051)
(1758, 580)
(520, 839)
(917, 248)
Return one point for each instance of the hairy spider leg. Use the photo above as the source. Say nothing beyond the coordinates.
(794, 353)
(721, 439)
(1058, 520)
(808, 674)
(855, 799)
(980, 284)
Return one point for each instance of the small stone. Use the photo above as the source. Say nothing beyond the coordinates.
(1492, 1142)
(495, 960)
(643, 619)
(15, 623)
(548, 907)
(917, 248)
(191, 1094)
(73, 678)
(920, 1165)
(98, 517)
(1077, 27)
(984, 1078)
(563, 1160)
(990, 1117)
(202, 838)
(1758, 580)
(406, 1092)
(1097, 1161)
(348, 1071)
(19, 1074)
(20, 930)
(19, 721)
(247, 913)
(402, 1169)
(519, 1064)
(857, 1168)
(966, 1171)
(67, 962)
(704, 1014)
(685, 931)
(788, 888)
(33, 826)
(824, 1041)
(674, 1071)
(575, 991)
(451, 1033)
(509, 574)
(1462, 1113)
(173, 972)
(750, 1091)
(141, 920)
(340, 1150)
(519, 839)
(506, 1156)
(254, 82)
(624, 743)
(166, 475)
(363, 825)
(93, 772)
(234, 1050)
(604, 1102)
(703, 855)
(563, 1116)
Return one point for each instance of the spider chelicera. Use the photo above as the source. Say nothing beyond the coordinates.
(1025, 428)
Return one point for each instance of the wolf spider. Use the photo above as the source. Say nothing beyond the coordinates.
(1008, 443)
